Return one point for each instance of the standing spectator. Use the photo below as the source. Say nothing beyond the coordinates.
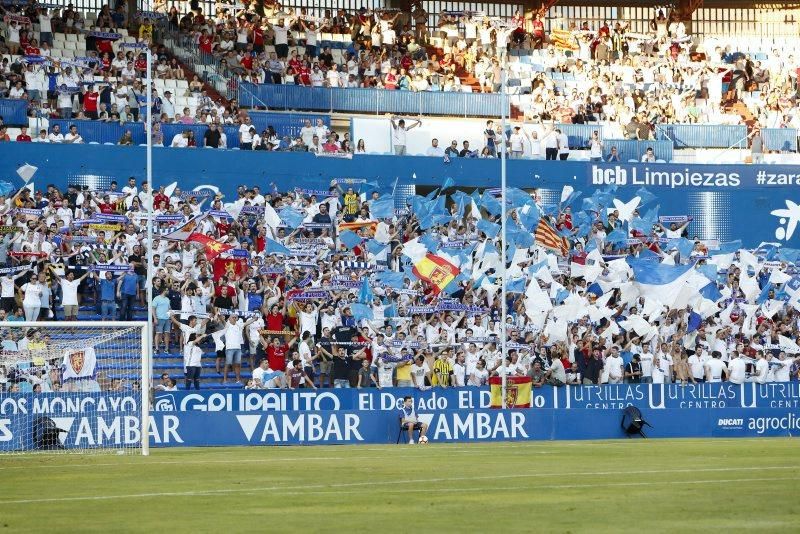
(108, 289)
(563, 145)
(69, 294)
(193, 360)
(127, 292)
(399, 131)
(757, 147)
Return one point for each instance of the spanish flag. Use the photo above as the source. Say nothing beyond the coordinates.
(435, 270)
(518, 392)
(212, 247)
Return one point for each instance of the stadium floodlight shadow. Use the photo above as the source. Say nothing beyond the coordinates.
(633, 422)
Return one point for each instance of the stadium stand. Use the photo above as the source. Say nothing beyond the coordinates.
(337, 276)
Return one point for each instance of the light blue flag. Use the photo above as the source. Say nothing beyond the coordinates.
(391, 279)
(516, 286)
(645, 224)
(490, 248)
(520, 238)
(349, 239)
(361, 311)
(291, 217)
(365, 294)
(573, 197)
(430, 242)
(383, 208)
(708, 270)
(489, 228)
(516, 198)
(561, 296)
(646, 196)
(6, 188)
(531, 219)
(595, 289)
(590, 204)
(727, 248)
(683, 245)
(461, 200)
(490, 204)
(273, 247)
(439, 207)
(448, 182)
(645, 272)
(375, 247)
(617, 236)
(790, 255)
(711, 292)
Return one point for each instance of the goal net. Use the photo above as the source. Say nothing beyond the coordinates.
(74, 387)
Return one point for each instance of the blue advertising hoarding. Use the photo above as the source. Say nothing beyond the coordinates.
(715, 196)
(342, 416)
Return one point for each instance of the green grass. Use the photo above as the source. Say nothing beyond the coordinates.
(608, 486)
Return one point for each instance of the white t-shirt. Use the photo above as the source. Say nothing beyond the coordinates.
(716, 368)
(762, 370)
(517, 142)
(233, 335)
(459, 374)
(419, 372)
(192, 355)
(33, 294)
(737, 369)
(70, 292)
(258, 375)
(385, 370)
(244, 132)
(308, 321)
(179, 141)
(399, 136)
(281, 34)
(305, 354)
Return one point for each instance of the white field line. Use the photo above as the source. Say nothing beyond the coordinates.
(372, 483)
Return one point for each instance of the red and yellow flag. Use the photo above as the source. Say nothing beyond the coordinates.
(435, 270)
(518, 392)
(356, 225)
(548, 238)
(212, 247)
(233, 268)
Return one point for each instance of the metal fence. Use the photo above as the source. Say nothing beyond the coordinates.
(14, 111)
(703, 135)
(292, 97)
(780, 139)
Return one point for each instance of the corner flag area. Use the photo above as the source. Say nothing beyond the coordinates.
(663, 485)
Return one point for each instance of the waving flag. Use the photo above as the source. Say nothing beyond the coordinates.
(435, 270)
(518, 392)
(547, 237)
(383, 208)
(183, 232)
(233, 268)
(211, 247)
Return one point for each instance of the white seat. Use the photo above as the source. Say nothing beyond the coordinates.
(69, 45)
(71, 38)
(182, 84)
(123, 32)
(93, 143)
(80, 46)
(170, 84)
(67, 53)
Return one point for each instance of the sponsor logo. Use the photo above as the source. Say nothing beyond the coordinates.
(164, 403)
(787, 218)
(727, 423)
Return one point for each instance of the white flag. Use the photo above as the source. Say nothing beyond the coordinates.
(26, 172)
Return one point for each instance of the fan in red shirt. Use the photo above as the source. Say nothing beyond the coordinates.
(32, 49)
(205, 43)
(106, 206)
(141, 64)
(104, 46)
(90, 102)
(295, 63)
(258, 38)
(23, 136)
(275, 319)
(277, 352)
(160, 198)
(304, 73)
(105, 63)
(247, 61)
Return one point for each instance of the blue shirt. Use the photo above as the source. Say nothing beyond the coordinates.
(130, 284)
(108, 289)
(161, 305)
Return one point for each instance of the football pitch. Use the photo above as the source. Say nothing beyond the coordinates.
(581, 486)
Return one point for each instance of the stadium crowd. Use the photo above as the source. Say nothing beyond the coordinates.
(338, 287)
(627, 81)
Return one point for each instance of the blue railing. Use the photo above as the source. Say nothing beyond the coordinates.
(780, 139)
(286, 123)
(629, 149)
(293, 97)
(703, 135)
(14, 111)
(111, 132)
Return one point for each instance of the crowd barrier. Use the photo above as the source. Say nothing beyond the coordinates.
(292, 97)
(111, 132)
(716, 196)
(335, 416)
(703, 135)
(14, 111)
(780, 139)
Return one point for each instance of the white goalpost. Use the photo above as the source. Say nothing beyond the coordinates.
(69, 387)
